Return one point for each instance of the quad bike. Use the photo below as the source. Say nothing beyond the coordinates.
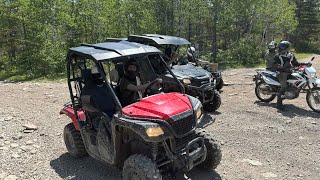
(148, 139)
(302, 78)
(197, 81)
(217, 74)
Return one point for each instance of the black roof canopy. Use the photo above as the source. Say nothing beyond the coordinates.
(116, 39)
(158, 39)
(113, 50)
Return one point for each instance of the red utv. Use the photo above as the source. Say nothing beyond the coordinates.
(149, 139)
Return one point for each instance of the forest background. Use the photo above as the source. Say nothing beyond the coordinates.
(36, 34)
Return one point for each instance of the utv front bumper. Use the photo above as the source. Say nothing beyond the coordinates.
(196, 153)
(192, 155)
(207, 86)
(217, 75)
(205, 92)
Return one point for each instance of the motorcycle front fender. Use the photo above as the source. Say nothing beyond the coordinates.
(315, 81)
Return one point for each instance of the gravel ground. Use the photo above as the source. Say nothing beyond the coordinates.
(258, 141)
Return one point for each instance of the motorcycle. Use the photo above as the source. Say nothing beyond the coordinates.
(302, 78)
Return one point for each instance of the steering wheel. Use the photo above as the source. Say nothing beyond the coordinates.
(150, 91)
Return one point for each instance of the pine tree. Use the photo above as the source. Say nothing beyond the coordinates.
(308, 30)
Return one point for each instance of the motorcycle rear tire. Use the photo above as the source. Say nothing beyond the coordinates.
(272, 97)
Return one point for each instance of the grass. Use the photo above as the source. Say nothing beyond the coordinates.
(303, 55)
(62, 77)
(238, 66)
(25, 78)
(299, 56)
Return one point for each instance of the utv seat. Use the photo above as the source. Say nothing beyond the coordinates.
(90, 100)
(115, 78)
(120, 69)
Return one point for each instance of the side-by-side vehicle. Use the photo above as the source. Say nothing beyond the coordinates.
(197, 81)
(149, 139)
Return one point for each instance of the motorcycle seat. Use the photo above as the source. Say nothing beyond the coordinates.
(260, 69)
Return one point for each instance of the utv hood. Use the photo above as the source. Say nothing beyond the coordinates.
(190, 71)
(159, 106)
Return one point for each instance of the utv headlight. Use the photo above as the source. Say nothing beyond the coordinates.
(154, 131)
(197, 107)
(198, 113)
(186, 81)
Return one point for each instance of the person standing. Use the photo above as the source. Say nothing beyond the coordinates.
(270, 55)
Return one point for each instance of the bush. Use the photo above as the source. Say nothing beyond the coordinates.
(244, 53)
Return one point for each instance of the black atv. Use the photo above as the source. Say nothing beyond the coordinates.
(197, 81)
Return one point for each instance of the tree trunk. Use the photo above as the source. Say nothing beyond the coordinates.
(189, 26)
(178, 2)
(214, 32)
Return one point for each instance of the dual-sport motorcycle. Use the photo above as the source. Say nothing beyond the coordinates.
(302, 78)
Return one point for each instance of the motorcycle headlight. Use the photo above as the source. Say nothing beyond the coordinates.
(186, 81)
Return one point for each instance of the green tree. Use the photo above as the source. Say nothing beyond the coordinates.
(306, 36)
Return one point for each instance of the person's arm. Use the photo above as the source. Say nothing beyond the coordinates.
(136, 88)
(276, 62)
(266, 55)
(132, 87)
(295, 62)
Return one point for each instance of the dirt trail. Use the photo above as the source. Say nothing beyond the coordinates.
(259, 142)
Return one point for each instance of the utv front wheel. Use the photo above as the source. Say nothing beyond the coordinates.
(220, 84)
(214, 104)
(140, 167)
(213, 151)
(73, 141)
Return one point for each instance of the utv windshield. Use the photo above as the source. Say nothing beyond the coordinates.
(109, 59)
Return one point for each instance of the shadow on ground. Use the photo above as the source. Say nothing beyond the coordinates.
(291, 110)
(207, 120)
(200, 174)
(68, 167)
(87, 168)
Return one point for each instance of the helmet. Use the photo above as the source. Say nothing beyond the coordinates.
(272, 45)
(168, 51)
(190, 51)
(284, 47)
(130, 74)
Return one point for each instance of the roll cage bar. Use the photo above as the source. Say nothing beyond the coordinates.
(98, 53)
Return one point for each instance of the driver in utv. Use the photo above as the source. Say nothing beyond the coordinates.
(130, 84)
(189, 57)
(171, 57)
(284, 62)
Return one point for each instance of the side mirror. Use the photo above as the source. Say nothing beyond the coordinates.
(313, 58)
